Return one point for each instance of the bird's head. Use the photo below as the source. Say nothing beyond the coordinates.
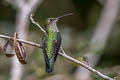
(54, 20)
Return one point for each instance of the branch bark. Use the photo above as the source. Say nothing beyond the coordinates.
(65, 56)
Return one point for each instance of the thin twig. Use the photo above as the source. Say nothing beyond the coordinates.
(62, 50)
(36, 23)
(65, 56)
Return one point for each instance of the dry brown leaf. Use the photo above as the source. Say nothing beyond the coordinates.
(19, 50)
(5, 48)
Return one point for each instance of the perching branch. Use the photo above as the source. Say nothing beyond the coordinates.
(23, 41)
(68, 57)
(64, 55)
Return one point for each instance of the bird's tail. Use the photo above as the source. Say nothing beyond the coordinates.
(50, 66)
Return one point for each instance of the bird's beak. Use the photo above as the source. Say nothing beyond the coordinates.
(63, 16)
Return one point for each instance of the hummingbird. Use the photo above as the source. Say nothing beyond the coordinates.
(51, 42)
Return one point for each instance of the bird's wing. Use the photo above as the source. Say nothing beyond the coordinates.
(44, 50)
(56, 45)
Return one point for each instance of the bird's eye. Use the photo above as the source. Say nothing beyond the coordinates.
(50, 20)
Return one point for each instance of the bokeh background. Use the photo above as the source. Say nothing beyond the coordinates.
(93, 31)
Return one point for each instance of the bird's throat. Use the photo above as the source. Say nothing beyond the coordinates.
(53, 27)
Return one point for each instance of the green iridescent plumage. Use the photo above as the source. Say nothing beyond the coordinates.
(51, 42)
